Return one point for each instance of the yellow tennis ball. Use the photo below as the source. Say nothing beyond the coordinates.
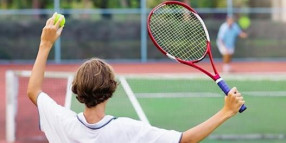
(63, 20)
(244, 22)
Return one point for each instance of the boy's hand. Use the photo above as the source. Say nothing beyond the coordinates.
(51, 31)
(233, 102)
(243, 35)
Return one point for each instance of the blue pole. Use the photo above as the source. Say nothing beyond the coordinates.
(143, 32)
(58, 42)
(229, 8)
(58, 51)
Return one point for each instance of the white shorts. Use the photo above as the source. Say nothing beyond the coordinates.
(223, 49)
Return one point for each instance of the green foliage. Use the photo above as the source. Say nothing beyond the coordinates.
(194, 3)
(26, 4)
(153, 3)
(240, 3)
(46, 4)
(68, 4)
(203, 3)
(221, 3)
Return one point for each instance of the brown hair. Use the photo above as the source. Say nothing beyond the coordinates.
(94, 82)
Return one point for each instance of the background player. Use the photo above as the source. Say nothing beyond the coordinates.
(226, 38)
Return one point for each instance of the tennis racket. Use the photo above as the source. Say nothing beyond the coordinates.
(179, 33)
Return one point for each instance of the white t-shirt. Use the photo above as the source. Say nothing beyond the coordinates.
(62, 125)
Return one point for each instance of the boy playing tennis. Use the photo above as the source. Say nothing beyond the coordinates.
(94, 84)
(226, 38)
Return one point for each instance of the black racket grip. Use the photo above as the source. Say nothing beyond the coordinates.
(224, 87)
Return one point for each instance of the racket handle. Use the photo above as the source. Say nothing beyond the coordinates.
(224, 87)
(242, 108)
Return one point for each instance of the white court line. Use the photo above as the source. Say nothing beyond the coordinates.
(277, 76)
(133, 100)
(209, 94)
(248, 137)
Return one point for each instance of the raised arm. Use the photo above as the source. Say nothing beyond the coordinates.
(243, 35)
(50, 34)
(233, 102)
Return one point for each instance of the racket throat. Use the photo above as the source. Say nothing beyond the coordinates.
(171, 57)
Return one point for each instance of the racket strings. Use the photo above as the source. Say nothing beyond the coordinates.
(179, 32)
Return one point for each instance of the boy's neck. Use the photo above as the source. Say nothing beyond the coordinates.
(94, 114)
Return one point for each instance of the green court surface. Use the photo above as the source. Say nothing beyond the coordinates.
(180, 104)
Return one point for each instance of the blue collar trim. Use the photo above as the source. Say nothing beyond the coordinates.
(106, 119)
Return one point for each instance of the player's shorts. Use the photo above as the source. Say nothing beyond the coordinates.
(223, 49)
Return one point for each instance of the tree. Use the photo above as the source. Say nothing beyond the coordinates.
(103, 4)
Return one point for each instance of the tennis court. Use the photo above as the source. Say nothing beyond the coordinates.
(174, 96)
(181, 102)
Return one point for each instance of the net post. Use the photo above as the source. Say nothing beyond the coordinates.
(68, 93)
(11, 105)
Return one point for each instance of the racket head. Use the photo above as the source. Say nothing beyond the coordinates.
(178, 32)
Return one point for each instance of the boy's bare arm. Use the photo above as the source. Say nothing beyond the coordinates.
(243, 35)
(50, 34)
(233, 102)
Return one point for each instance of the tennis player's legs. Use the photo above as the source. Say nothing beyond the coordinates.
(227, 56)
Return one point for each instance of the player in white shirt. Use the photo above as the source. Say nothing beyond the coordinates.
(94, 84)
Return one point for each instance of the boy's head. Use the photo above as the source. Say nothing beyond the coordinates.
(94, 82)
(230, 20)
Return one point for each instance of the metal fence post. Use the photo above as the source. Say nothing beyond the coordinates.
(58, 42)
(229, 8)
(143, 32)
